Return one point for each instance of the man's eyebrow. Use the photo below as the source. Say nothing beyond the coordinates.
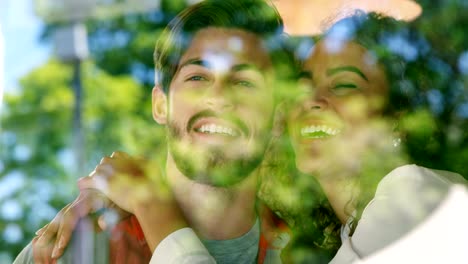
(207, 64)
(245, 66)
(347, 69)
(195, 61)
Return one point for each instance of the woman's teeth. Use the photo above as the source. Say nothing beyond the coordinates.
(319, 131)
(217, 129)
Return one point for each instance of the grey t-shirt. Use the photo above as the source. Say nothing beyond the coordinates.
(243, 249)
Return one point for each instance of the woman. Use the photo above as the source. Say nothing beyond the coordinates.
(343, 129)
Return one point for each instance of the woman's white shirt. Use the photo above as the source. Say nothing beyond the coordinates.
(403, 199)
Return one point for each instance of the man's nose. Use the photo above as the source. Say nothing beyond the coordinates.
(218, 97)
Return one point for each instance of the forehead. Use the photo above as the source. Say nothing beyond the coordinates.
(228, 46)
(330, 53)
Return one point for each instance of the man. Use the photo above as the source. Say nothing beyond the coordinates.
(214, 93)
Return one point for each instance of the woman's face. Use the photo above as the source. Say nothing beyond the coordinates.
(341, 91)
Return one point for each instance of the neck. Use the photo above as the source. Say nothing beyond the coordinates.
(214, 212)
(341, 194)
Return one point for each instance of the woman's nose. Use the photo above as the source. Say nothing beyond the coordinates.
(319, 104)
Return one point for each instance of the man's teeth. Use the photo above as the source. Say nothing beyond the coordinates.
(319, 131)
(212, 129)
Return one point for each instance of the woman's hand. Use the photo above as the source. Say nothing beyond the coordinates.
(126, 181)
(124, 184)
(52, 239)
(138, 187)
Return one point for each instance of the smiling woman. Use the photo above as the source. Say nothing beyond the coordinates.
(342, 128)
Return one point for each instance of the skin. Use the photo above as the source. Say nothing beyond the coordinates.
(216, 83)
(342, 92)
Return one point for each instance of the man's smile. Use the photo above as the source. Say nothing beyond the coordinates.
(218, 130)
(208, 123)
(212, 128)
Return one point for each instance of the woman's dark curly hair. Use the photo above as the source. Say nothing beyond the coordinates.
(298, 198)
(400, 49)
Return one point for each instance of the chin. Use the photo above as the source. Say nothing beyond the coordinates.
(214, 167)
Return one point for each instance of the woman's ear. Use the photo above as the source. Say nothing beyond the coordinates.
(159, 107)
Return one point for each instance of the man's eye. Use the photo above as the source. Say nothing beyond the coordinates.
(344, 88)
(244, 83)
(196, 78)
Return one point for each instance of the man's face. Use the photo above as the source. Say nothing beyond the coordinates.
(220, 106)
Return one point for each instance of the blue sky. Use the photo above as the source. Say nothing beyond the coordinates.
(21, 30)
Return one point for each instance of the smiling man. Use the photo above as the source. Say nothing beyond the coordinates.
(218, 110)
(220, 107)
(216, 96)
(216, 72)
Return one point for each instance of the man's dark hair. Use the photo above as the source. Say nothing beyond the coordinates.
(256, 16)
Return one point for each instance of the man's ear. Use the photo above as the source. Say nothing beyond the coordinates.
(159, 108)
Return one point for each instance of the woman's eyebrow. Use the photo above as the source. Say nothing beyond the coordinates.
(352, 69)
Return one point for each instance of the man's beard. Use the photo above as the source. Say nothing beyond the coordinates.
(211, 166)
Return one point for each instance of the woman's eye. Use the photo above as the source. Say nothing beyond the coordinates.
(344, 88)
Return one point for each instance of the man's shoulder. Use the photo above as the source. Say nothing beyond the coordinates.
(25, 256)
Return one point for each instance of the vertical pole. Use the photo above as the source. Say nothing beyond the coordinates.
(78, 136)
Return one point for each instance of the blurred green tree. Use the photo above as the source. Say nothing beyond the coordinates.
(36, 146)
(37, 162)
(445, 25)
